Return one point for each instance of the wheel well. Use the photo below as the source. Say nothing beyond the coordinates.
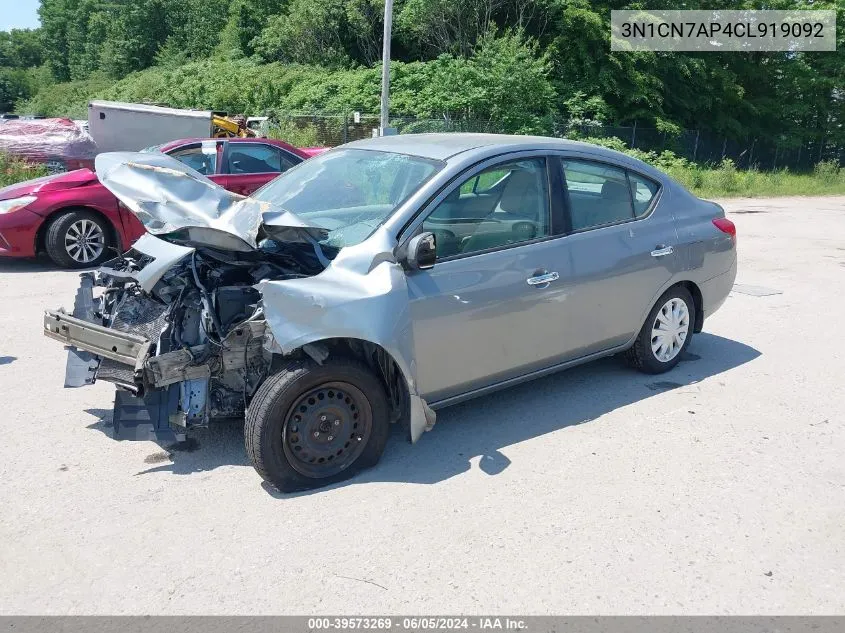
(376, 357)
(694, 290)
(41, 235)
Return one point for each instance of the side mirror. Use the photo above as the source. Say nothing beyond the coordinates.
(422, 251)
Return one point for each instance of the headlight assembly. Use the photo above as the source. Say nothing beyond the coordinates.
(7, 206)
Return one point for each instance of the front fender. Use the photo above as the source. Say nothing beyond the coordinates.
(348, 301)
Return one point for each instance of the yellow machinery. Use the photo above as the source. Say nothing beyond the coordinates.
(229, 127)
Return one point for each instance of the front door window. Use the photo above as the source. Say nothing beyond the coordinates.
(503, 205)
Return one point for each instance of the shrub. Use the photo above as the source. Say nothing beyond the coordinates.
(669, 161)
(65, 99)
(14, 170)
(496, 81)
(298, 135)
(827, 171)
(726, 177)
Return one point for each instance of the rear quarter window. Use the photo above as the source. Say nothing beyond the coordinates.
(643, 191)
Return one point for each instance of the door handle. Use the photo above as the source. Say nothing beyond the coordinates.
(662, 251)
(542, 280)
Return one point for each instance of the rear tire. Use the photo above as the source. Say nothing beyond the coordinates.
(78, 239)
(666, 333)
(312, 425)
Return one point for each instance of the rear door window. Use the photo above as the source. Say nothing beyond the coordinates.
(257, 158)
(599, 194)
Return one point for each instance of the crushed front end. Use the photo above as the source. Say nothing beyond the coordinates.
(225, 299)
(179, 330)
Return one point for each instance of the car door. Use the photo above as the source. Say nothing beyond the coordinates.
(251, 165)
(619, 253)
(489, 308)
(202, 156)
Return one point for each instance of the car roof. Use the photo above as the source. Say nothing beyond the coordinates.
(445, 145)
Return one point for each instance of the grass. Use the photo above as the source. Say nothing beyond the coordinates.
(13, 170)
(726, 181)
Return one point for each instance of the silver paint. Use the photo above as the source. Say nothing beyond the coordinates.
(471, 324)
(167, 195)
(164, 254)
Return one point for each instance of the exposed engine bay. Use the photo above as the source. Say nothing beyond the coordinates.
(202, 325)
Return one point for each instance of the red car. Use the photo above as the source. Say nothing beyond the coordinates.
(79, 223)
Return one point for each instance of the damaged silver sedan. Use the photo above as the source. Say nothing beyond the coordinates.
(380, 281)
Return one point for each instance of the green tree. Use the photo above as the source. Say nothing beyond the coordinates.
(246, 20)
(366, 26)
(137, 31)
(192, 25)
(553, 61)
(20, 48)
(504, 84)
(14, 85)
(87, 30)
(55, 15)
(446, 26)
(310, 32)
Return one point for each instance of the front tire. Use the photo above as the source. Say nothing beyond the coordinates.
(666, 333)
(312, 425)
(78, 239)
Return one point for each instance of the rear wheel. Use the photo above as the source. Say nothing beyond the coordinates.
(666, 333)
(78, 239)
(311, 425)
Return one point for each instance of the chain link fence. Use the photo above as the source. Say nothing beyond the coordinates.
(329, 130)
(703, 147)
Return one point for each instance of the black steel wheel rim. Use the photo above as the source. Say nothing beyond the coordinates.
(327, 429)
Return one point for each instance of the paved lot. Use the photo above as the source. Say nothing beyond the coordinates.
(716, 488)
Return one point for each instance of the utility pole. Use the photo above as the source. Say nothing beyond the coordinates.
(385, 67)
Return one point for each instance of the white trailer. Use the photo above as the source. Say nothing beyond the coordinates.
(116, 126)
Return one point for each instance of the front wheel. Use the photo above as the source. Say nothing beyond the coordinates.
(666, 333)
(312, 425)
(78, 239)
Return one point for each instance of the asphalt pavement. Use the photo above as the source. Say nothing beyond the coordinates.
(718, 488)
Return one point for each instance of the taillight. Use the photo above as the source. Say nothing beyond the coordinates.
(725, 226)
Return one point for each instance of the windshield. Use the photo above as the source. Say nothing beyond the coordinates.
(348, 192)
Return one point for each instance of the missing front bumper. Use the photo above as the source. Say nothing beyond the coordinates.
(129, 349)
(136, 417)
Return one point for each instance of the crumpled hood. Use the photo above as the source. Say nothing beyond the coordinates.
(167, 195)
